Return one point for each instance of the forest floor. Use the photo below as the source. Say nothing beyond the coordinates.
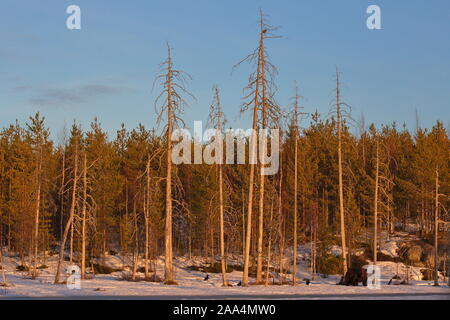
(191, 285)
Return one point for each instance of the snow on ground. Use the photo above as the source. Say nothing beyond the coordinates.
(191, 285)
(389, 248)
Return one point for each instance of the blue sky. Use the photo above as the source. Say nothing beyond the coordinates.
(107, 68)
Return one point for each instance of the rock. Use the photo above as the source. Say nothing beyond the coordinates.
(390, 249)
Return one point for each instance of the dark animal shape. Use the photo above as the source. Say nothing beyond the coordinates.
(206, 278)
(394, 278)
(354, 276)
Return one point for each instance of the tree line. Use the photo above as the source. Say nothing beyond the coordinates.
(90, 193)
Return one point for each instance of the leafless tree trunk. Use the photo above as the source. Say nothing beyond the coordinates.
(61, 191)
(252, 157)
(83, 220)
(436, 231)
(269, 246)
(168, 268)
(171, 80)
(375, 208)
(341, 187)
(294, 267)
(262, 137)
(36, 221)
(147, 222)
(71, 216)
(295, 213)
(258, 85)
(243, 223)
(136, 242)
(71, 244)
(218, 114)
(280, 217)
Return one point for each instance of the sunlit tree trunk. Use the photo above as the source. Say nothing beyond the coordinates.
(136, 242)
(147, 222)
(252, 157)
(221, 201)
(71, 216)
(341, 187)
(294, 263)
(83, 220)
(168, 267)
(262, 179)
(36, 221)
(71, 244)
(269, 246)
(436, 231)
(295, 213)
(375, 209)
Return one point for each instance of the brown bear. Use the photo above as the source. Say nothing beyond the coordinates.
(354, 276)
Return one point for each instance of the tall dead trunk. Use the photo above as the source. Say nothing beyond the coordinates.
(168, 267)
(294, 263)
(341, 187)
(375, 208)
(436, 231)
(243, 223)
(221, 201)
(71, 216)
(295, 213)
(61, 192)
(280, 217)
(83, 220)
(36, 221)
(136, 242)
(71, 244)
(262, 137)
(269, 248)
(252, 157)
(168, 274)
(258, 86)
(147, 222)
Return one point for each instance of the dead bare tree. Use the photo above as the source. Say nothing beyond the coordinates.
(296, 114)
(217, 115)
(170, 102)
(375, 206)
(147, 211)
(37, 209)
(260, 96)
(87, 205)
(436, 230)
(71, 214)
(83, 219)
(383, 187)
(341, 192)
(147, 220)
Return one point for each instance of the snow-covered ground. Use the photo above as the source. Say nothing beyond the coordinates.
(191, 285)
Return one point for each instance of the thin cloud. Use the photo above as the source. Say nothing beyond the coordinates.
(71, 96)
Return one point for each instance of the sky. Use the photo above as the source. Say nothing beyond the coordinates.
(107, 69)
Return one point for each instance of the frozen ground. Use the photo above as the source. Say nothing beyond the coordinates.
(192, 286)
